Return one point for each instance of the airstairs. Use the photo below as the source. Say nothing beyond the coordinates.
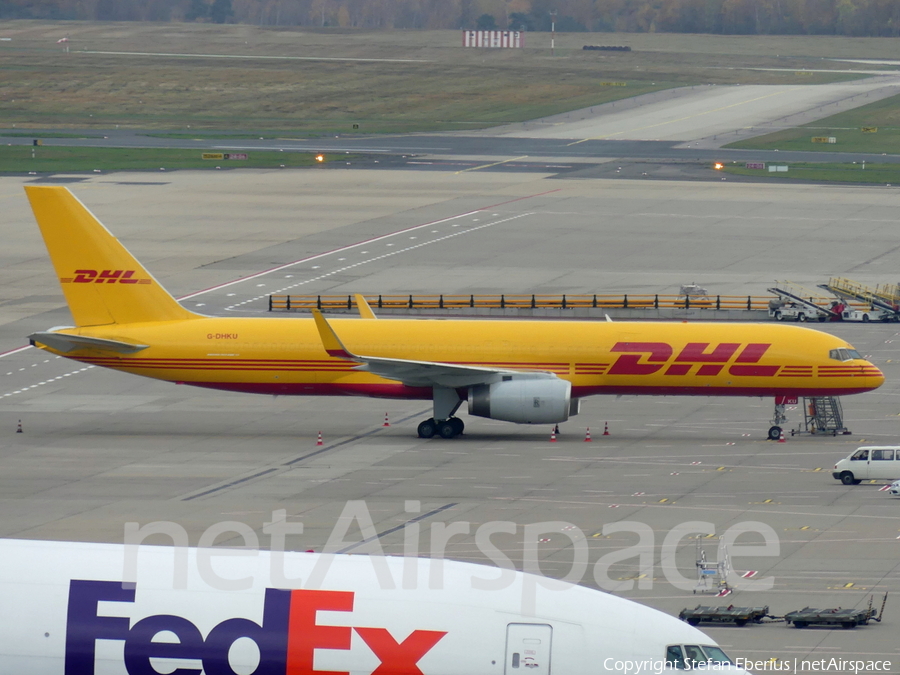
(822, 415)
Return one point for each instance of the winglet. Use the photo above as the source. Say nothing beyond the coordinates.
(330, 341)
(365, 312)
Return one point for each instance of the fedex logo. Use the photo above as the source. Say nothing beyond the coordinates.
(287, 637)
(647, 358)
(104, 277)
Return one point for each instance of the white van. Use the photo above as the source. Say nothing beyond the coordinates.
(879, 462)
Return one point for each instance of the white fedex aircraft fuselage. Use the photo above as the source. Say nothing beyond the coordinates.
(104, 609)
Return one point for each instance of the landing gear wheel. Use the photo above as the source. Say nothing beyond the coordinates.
(427, 429)
(458, 424)
(446, 429)
(774, 433)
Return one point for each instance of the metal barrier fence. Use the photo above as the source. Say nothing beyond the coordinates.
(326, 302)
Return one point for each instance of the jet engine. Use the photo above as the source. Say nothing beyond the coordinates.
(524, 400)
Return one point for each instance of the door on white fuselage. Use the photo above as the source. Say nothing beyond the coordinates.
(528, 649)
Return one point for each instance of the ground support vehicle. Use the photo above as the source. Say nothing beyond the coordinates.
(740, 616)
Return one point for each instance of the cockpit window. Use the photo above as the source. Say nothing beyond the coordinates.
(716, 655)
(844, 354)
(674, 659)
(693, 655)
(689, 657)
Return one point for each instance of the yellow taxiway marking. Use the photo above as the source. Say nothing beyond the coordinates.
(682, 119)
(487, 166)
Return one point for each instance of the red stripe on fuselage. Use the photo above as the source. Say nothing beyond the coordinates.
(400, 391)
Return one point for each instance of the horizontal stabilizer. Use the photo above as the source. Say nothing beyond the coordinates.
(63, 342)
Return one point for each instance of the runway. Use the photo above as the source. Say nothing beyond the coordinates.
(100, 449)
(695, 113)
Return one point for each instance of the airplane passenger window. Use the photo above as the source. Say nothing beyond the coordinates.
(716, 655)
(674, 657)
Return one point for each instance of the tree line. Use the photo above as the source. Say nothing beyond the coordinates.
(736, 17)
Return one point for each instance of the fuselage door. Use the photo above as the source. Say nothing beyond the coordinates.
(528, 649)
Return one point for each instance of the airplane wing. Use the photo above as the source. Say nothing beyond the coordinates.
(417, 373)
(63, 342)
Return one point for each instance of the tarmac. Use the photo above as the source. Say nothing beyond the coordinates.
(100, 449)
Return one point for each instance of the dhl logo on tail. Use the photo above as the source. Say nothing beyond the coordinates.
(104, 276)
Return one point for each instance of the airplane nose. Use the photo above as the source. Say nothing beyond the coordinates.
(874, 376)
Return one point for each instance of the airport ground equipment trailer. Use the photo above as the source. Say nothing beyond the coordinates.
(739, 616)
(846, 618)
(822, 415)
(883, 301)
(798, 303)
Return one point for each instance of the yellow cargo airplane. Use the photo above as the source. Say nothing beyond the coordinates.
(527, 372)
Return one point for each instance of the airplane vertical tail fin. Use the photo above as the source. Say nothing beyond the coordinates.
(103, 283)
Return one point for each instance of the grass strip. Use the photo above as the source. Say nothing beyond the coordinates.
(850, 172)
(847, 127)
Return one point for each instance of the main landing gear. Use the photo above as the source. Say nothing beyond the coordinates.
(448, 428)
(443, 424)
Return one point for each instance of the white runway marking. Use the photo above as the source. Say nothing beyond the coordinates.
(377, 258)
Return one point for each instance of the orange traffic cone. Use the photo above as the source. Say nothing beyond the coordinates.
(19, 428)
(386, 422)
(553, 435)
(319, 441)
(587, 436)
(606, 428)
(781, 437)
